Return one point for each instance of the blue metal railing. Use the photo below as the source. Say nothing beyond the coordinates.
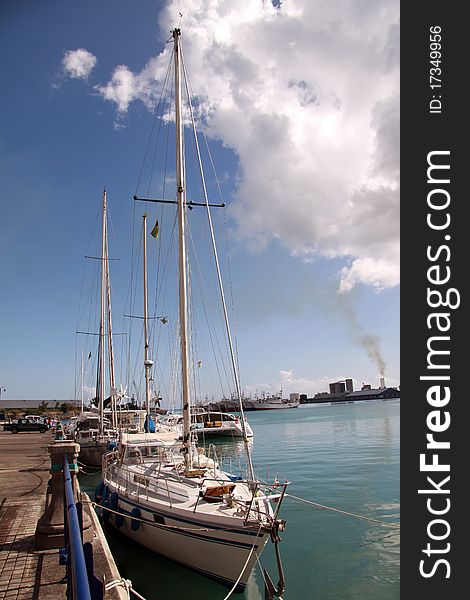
(77, 575)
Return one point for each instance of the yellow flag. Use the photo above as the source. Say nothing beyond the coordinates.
(154, 231)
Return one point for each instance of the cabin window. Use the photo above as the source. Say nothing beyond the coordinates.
(158, 519)
(134, 456)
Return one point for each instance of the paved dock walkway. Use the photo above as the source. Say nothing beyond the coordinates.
(25, 574)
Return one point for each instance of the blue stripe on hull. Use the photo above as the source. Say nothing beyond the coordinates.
(196, 535)
(190, 521)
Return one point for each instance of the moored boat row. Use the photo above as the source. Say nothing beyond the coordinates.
(158, 486)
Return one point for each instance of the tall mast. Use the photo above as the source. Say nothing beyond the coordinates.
(101, 384)
(112, 379)
(81, 382)
(183, 284)
(147, 363)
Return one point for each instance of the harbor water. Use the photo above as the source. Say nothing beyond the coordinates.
(344, 456)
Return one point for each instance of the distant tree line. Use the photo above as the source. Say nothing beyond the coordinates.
(63, 407)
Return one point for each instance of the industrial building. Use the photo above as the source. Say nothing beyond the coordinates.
(342, 391)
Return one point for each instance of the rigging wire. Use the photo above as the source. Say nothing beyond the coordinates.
(198, 168)
(86, 303)
(131, 298)
(214, 246)
(132, 310)
(230, 380)
(121, 368)
(154, 135)
(156, 112)
(221, 300)
(161, 226)
(161, 290)
(161, 120)
(344, 512)
(229, 264)
(204, 301)
(221, 197)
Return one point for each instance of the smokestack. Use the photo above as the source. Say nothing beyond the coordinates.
(382, 383)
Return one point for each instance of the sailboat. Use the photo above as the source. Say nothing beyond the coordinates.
(93, 432)
(168, 494)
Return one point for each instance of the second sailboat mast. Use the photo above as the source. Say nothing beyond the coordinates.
(101, 391)
(147, 362)
(183, 284)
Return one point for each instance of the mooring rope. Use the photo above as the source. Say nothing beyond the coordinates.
(344, 512)
(92, 472)
(123, 581)
(244, 566)
(126, 584)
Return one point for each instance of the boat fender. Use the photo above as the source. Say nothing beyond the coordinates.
(99, 491)
(114, 505)
(112, 445)
(113, 501)
(135, 524)
(105, 494)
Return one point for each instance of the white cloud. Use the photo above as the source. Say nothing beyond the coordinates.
(122, 88)
(78, 64)
(378, 273)
(307, 97)
(125, 86)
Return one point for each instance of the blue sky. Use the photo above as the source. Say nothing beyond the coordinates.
(301, 106)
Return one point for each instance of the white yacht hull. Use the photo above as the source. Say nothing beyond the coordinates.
(212, 423)
(222, 431)
(216, 550)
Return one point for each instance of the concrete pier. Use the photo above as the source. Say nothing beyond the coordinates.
(27, 573)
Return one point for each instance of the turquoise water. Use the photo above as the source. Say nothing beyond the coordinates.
(345, 456)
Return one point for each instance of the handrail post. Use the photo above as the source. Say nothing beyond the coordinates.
(76, 567)
(50, 528)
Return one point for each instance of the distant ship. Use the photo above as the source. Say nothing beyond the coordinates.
(269, 402)
(265, 402)
(273, 401)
